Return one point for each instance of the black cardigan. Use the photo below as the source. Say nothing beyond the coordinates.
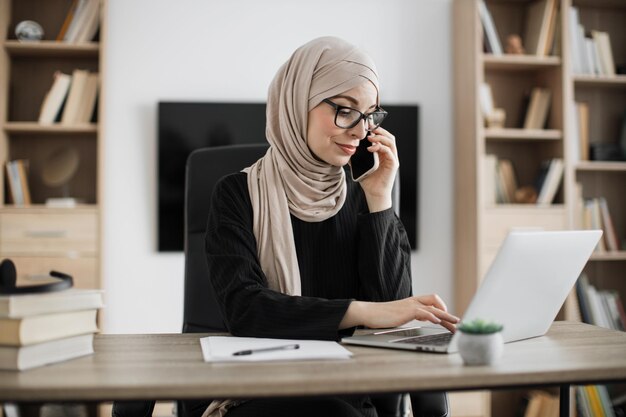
(352, 255)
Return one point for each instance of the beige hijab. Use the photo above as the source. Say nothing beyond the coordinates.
(289, 179)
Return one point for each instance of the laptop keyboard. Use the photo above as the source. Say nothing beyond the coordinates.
(440, 339)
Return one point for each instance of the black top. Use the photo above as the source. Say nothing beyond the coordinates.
(352, 255)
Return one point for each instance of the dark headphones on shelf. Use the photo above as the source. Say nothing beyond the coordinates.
(8, 279)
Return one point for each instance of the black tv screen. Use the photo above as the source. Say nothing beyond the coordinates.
(184, 127)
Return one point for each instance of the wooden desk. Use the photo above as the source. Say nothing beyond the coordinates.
(171, 367)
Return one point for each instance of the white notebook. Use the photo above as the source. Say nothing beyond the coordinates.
(223, 349)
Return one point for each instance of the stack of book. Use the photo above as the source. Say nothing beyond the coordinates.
(71, 98)
(538, 108)
(591, 51)
(41, 329)
(549, 180)
(491, 38)
(501, 181)
(594, 401)
(596, 215)
(602, 308)
(541, 24)
(81, 22)
(17, 179)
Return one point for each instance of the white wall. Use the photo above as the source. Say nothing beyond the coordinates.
(229, 50)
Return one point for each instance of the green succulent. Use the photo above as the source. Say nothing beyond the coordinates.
(479, 326)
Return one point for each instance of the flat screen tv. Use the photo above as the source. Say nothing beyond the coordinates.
(186, 126)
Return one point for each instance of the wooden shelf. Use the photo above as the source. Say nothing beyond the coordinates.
(523, 209)
(26, 128)
(609, 256)
(42, 209)
(52, 48)
(601, 166)
(520, 62)
(600, 4)
(523, 134)
(600, 81)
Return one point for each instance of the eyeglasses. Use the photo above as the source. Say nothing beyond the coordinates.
(347, 117)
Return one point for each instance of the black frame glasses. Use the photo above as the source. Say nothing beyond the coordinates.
(369, 117)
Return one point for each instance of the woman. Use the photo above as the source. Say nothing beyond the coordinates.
(297, 250)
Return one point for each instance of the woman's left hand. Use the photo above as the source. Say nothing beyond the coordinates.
(378, 185)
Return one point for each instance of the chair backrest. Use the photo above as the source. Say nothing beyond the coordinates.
(204, 168)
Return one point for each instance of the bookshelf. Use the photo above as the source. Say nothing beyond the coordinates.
(480, 222)
(39, 237)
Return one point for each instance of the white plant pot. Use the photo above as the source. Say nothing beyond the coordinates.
(480, 349)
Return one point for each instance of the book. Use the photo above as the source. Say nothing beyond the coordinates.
(550, 185)
(592, 58)
(75, 97)
(55, 98)
(613, 302)
(576, 51)
(539, 17)
(36, 329)
(90, 94)
(78, 20)
(605, 400)
(15, 191)
(596, 221)
(90, 22)
(582, 402)
(605, 53)
(594, 400)
(489, 29)
(17, 358)
(25, 305)
(582, 111)
(581, 291)
(553, 30)
(68, 20)
(610, 234)
(17, 179)
(538, 108)
(598, 313)
(22, 167)
(509, 180)
(584, 57)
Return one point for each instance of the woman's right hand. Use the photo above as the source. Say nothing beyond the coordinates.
(395, 313)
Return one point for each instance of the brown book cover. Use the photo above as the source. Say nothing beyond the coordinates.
(583, 129)
(22, 168)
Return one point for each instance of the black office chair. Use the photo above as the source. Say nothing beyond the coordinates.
(201, 313)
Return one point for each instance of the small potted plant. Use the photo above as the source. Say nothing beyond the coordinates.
(480, 342)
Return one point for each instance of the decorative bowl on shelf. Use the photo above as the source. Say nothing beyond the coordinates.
(480, 342)
(29, 31)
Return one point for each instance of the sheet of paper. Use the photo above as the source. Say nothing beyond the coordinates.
(222, 349)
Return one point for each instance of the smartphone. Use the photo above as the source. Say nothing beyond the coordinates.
(363, 162)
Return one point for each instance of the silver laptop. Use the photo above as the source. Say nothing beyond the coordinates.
(523, 289)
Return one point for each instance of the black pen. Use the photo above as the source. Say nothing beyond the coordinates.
(267, 349)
